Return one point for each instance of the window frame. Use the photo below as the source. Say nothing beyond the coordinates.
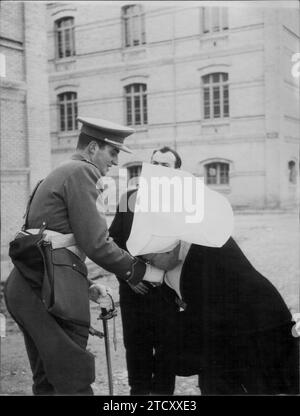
(133, 26)
(133, 180)
(137, 173)
(292, 172)
(61, 32)
(210, 103)
(64, 102)
(218, 165)
(134, 99)
(219, 14)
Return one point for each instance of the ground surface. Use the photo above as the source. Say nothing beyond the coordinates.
(270, 241)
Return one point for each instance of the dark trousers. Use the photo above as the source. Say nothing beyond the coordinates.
(263, 363)
(56, 349)
(148, 329)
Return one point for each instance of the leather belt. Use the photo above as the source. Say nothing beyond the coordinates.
(59, 240)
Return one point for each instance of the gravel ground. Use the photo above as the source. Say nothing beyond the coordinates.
(270, 241)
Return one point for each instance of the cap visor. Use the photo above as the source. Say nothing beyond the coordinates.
(118, 146)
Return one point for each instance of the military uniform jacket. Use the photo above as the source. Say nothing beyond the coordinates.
(67, 201)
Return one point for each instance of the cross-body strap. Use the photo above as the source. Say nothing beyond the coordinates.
(25, 216)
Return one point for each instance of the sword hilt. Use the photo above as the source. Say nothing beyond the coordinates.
(108, 314)
(104, 316)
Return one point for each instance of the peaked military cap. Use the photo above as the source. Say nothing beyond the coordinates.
(106, 131)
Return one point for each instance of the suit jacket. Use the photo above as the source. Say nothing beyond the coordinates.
(121, 226)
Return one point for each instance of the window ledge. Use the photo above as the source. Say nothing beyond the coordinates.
(67, 60)
(215, 35)
(137, 48)
(138, 128)
(215, 122)
(66, 134)
(226, 189)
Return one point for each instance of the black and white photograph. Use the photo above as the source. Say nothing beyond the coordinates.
(150, 200)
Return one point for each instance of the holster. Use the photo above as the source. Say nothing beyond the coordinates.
(65, 285)
(63, 276)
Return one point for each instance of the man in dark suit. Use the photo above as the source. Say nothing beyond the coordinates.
(148, 312)
(235, 331)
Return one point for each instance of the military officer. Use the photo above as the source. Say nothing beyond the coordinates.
(66, 203)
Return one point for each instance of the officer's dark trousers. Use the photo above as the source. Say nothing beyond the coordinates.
(56, 350)
(148, 330)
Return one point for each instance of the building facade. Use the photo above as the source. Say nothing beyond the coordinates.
(213, 82)
(24, 112)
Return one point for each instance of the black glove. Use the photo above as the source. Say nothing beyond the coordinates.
(136, 274)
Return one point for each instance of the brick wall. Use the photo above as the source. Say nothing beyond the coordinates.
(12, 20)
(39, 150)
(24, 127)
(13, 131)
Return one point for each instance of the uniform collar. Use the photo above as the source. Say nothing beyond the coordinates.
(78, 156)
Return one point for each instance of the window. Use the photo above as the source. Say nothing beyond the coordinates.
(214, 19)
(65, 41)
(136, 104)
(133, 176)
(133, 25)
(67, 104)
(134, 171)
(216, 95)
(292, 172)
(217, 173)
